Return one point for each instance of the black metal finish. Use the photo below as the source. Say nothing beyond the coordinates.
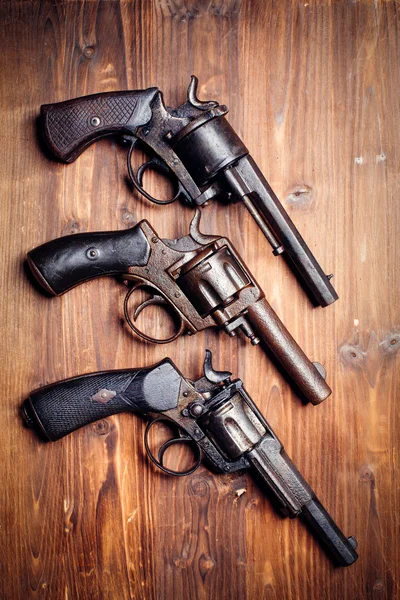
(208, 149)
(214, 413)
(295, 250)
(297, 498)
(197, 146)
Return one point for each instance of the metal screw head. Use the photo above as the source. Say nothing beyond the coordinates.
(95, 121)
(196, 409)
(92, 253)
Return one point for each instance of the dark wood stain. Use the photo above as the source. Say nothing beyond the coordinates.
(313, 89)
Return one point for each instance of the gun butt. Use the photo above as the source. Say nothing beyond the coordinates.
(60, 408)
(70, 127)
(63, 263)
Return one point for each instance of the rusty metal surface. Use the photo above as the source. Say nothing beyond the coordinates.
(201, 278)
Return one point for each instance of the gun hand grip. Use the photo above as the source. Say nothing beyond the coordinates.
(71, 126)
(58, 409)
(303, 373)
(65, 262)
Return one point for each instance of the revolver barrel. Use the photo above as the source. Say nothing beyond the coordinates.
(308, 377)
(297, 498)
(250, 185)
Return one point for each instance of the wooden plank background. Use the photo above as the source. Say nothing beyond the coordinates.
(313, 89)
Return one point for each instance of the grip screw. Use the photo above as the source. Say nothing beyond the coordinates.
(196, 410)
(92, 253)
(95, 121)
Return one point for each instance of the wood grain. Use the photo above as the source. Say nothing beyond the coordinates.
(313, 89)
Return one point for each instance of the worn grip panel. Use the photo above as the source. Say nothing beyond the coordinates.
(65, 262)
(71, 126)
(303, 373)
(58, 409)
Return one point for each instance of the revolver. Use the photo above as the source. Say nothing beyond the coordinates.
(201, 279)
(214, 415)
(196, 147)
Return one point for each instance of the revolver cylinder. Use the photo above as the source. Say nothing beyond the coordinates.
(207, 145)
(233, 427)
(212, 279)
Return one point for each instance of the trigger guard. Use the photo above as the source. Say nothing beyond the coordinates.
(156, 299)
(137, 180)
(179, 440)
(140, 333)
(153, 163)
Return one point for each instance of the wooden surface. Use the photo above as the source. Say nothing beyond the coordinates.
(313, 89)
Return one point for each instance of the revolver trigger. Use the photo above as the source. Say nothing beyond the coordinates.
(153, 163)
(128, 140)
(182, 438)
(155, 299)
(157, 164)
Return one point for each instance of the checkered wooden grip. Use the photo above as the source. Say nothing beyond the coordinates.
(59, 408)
(71, 126)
